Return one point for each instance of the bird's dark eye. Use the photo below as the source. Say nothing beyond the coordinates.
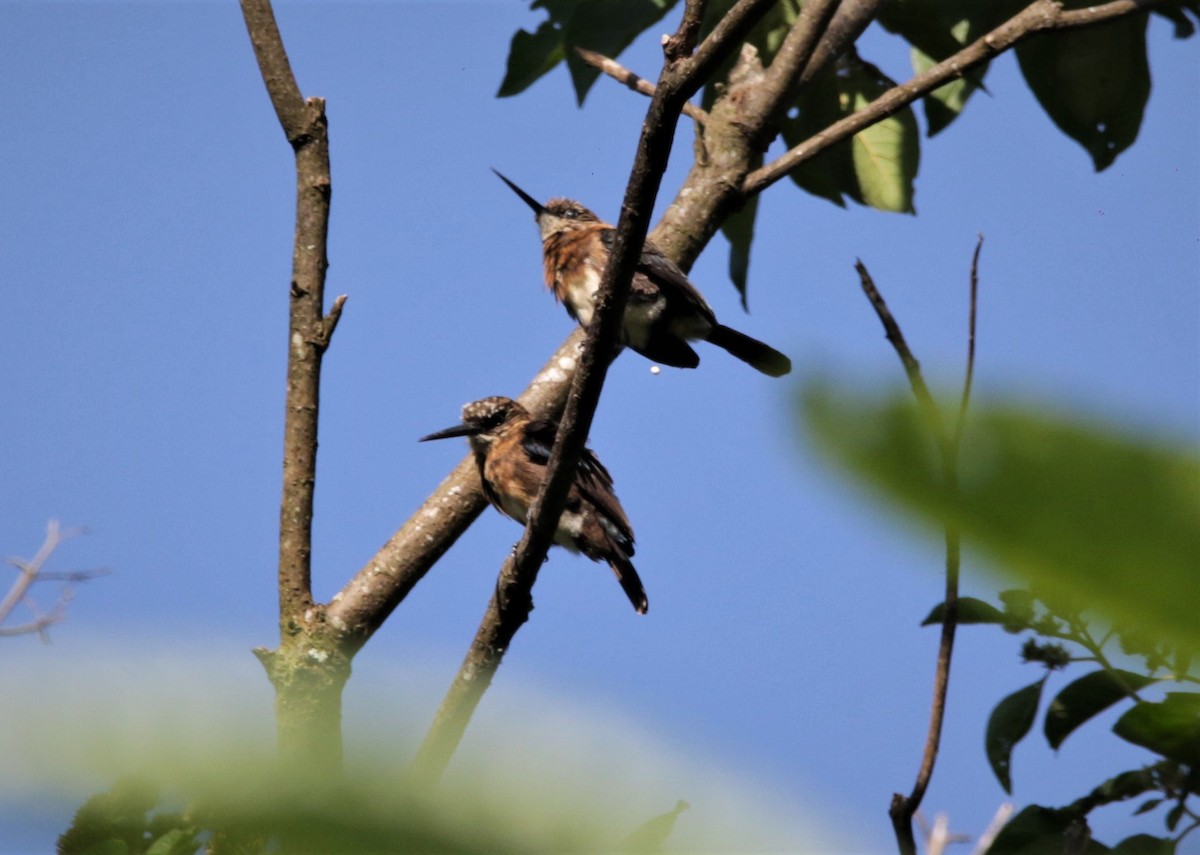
(571, 214)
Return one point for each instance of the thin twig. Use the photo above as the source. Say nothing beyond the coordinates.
(623, 75)
(903, 807)
(969, 378)
(1040, 16)
(912, 368)
(32, 571)
(984, 843)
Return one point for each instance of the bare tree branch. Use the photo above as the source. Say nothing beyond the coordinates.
(309, 331)
(1040, 16)
(33, 570)
(309, 669)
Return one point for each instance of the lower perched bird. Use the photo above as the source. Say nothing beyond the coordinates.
(664, 311)
(512, 448)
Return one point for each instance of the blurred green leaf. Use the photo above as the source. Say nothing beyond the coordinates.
(1121, 787)
(1170, 728)
(1092, 82)
(1092, 518)
(970, 610)
(1173, 817)
(1147, 806)
(178, 841)
(652, 834)
(1009, 722)
(1035, 830)
(1144, 844)
(1089, 695)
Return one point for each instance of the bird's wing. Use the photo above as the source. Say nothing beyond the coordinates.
(592, 481)
(659, 273)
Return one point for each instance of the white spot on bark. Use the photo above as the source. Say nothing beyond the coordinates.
(566, 363)
(338, 623)
(317, 655)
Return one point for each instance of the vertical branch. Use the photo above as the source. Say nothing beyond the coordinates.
(904, 807)
(308, 676)
(309, 330)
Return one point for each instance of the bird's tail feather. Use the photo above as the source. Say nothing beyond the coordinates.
(631, 584)
(753, 352)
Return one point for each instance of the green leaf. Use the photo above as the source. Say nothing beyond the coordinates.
(937, 29)
(1175, 13)
(605, 26)
(530, 56)
(830, 174)
(1170, 728)
(886, 155)
(944, 104)
(178, 841)
(1147, 806)
(1010, 721)
(970, 610)
(1093, 518)
(1173, 817)
(1035, 830)
(1122, 787)
(1092, 82)
(651, 835)
(738, 229)
(1144, 844)
(876, 166)
(105, 847)
(1088, 696)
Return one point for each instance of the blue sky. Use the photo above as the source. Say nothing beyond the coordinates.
(146, 255)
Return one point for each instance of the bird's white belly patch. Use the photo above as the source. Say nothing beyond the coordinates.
(581, 294)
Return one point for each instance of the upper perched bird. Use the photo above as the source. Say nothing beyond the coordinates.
(664, 311)
(512, 448)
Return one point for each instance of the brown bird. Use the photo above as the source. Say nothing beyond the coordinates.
(664, 311)
(512, 448)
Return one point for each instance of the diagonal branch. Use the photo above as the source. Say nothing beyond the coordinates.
(1040, 16)
(683, 73)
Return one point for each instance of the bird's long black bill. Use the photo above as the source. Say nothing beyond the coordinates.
(537, 206)
(450, 432)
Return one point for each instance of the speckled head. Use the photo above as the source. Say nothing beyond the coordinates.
(481, 418)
